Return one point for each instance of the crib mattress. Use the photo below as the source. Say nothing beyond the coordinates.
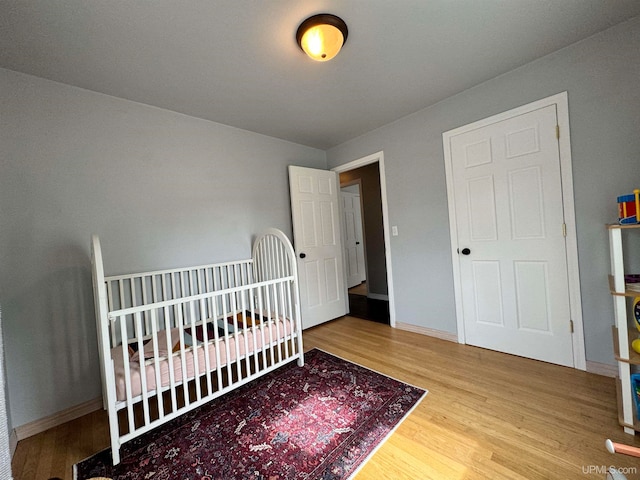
(226, 347)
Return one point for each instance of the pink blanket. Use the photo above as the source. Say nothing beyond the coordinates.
(227, 350)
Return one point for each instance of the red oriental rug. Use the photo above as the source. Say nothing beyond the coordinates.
(321, 421)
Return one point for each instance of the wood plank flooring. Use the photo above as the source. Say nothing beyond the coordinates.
(487, 415)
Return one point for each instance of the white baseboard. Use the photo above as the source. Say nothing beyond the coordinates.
(451, 337)
(38, 426)
(602, 369)
(378, 296)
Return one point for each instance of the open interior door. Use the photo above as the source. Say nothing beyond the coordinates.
(353, 239)
(318, 244)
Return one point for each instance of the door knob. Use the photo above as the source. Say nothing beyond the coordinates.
(357, 243)
(302, 255)
(465, 251)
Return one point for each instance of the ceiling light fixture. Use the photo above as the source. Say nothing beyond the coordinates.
(322, 36)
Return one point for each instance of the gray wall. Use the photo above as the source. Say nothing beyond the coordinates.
(161, 189)
(602, 78)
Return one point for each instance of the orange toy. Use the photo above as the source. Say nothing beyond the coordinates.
(622, 448)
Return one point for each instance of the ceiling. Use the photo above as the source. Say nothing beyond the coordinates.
(236, 62)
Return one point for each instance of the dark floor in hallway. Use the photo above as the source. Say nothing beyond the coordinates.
(369, 309)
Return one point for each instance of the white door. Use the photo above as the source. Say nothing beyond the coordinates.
(316, 231)
(354, 243)
(511, 243)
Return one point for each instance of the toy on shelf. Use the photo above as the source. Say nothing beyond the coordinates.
(629, 208)
(635, 391)
(636, 315)
(614, 447)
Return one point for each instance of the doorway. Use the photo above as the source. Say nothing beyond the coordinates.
(372, 298)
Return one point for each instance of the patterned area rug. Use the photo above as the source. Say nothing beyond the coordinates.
(321, 421)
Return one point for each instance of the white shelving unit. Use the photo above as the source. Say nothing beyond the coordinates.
(624, 330)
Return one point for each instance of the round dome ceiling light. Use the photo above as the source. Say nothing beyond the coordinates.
(322, 36)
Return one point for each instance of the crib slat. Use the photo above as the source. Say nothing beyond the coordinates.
(143, 288)
(172, 374)
(229, 277)
(190, 281)
(270, 256)
(127, 373)
(173, 296)
(143, 370)
(261, 261)
(195, 347)
(282, 316)
(156, 361)
(163, 286)
(122, 299)
(208, 275)
(183, 293)
(250, 311)
(269, 323)
(262, 325)
(289, 314)
(199, 280)
(245, 330)
(132, 291)
(276, 321)
(205, 341)
(183, 362)
(111, 308)
(218, 343)
(225, 337)
(236, 336)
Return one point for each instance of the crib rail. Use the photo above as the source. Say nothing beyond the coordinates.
(248, 329)
(126, 291)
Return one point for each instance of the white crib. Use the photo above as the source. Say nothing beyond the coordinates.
(172, 340)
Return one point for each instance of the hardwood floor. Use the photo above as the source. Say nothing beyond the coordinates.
(487, 415)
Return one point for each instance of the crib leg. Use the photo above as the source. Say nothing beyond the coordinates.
(115, 454)
(301, 361)
(114, 433)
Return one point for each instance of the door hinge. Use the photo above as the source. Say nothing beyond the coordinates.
(558, 132)
(571, 325)
(564, 229)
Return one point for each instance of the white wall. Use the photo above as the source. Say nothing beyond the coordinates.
(161, 189)
(602, 77)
